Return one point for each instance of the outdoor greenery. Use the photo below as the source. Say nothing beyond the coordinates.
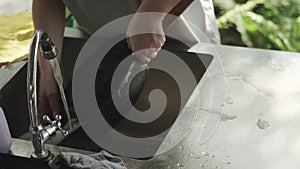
(269, 24)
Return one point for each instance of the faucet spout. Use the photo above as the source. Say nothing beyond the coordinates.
(39, 133)
(32, 79)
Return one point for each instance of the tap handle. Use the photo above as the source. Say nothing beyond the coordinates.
(56, 123)
(63, 131)
(47, 119)
(58, 119)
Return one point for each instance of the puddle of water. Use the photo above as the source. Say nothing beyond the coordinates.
(258, 85)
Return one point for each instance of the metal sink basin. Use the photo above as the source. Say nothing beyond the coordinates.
(13, 97)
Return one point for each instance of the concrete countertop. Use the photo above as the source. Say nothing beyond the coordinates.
(254, 124)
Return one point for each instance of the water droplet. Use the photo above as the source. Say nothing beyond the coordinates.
(181, 156)
(180, 147)
(226, 162)
(225, 117)
(196, 156)
(276, 66)
(262, 124)
(201, 165)
(229, 101)
(205, 154)
(192, 155)
(203, 126)
(212, 155)
(179, 165)
(168, 167)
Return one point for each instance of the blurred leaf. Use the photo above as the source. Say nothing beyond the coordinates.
(225, 5)
(267, 29)
(271, 24)
(230, 15)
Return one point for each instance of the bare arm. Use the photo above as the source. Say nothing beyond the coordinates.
(49, 15)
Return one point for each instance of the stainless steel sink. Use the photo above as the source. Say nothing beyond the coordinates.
(13, 97)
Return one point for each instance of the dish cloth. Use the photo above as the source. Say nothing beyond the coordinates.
(101, 160)
(16, 31)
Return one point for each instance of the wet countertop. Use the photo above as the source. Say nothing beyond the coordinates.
(250, 121)
(248, 117)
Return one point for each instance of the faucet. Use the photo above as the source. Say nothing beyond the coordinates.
(40, 134)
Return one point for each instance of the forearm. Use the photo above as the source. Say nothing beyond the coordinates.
(49, 15)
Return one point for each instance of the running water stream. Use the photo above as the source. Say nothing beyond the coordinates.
(59, 80)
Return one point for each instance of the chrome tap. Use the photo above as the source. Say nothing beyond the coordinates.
(39, 133)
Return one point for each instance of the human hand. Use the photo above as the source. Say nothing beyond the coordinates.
(145, 36)
(48, 96)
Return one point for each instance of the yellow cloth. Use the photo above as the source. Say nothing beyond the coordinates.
(16, 31)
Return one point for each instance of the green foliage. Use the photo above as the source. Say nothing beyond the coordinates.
(269, 24)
